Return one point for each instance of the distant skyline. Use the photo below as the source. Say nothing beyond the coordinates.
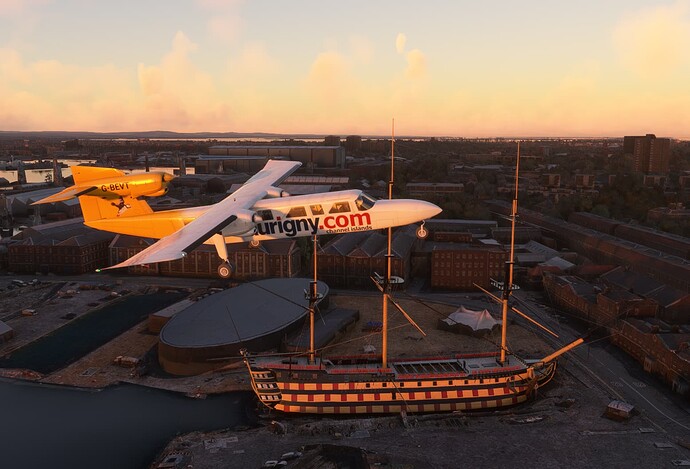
(441, 68)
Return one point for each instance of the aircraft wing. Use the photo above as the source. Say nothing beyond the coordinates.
(66, 194)
(182, 242)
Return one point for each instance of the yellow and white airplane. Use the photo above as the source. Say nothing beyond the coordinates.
(255, 212)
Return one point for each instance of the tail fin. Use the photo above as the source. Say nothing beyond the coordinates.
(98, 208)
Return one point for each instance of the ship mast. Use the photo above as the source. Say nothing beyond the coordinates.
(387, 281)
(508, 278)
(313, 297)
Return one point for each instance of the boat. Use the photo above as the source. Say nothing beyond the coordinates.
(373, 384)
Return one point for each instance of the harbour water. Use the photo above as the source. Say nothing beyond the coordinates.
(121, 427)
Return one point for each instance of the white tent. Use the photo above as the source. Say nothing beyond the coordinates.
(468, 321)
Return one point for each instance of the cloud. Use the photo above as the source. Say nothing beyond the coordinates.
(50, 95)
(416, 61)
(151, 80)
(172, 94)
(416, 64)
(21, 20)
(254, 61)
(225, 22)
(225, 28)
(327, 74)
(362, 49)
(174, 66)
(219, 4)
(14, 8)
(653, 42)
(400, 41)
(177, 94)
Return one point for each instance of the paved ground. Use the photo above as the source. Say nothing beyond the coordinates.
(546, 434)
(57, 303)
(565, 427)
(37, 309)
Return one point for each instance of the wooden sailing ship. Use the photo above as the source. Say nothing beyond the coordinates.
(373, 384)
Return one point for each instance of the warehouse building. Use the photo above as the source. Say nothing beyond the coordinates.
(251, 158)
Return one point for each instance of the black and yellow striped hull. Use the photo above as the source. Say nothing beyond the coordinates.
(358, 386)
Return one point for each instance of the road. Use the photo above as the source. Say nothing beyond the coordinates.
(107, 278)
(602, 364)
(595, 363)
(598, 365)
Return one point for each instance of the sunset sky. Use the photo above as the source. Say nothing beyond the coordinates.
(453, 67)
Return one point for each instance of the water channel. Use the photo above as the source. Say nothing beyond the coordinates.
(124, 426)
(121, 427)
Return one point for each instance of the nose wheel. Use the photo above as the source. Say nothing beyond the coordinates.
(225, 270)
(422, 232)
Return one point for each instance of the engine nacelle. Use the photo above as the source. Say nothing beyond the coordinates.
(244, 224)
(161, 192)
(111, 184)
(276, 192)
(133, 185)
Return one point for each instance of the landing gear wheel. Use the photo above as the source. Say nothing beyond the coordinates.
(422, 232)
(254, 243)
(225, 270)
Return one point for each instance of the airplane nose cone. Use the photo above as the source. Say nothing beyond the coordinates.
(428, 209)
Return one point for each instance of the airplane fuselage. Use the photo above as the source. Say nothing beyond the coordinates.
(286, 217)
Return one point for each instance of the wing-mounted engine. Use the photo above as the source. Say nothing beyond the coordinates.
(162, 185)
(135, 185)
(244, 223)
(112, 184)
(276, 192)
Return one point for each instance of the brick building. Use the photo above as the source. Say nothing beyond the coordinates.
(660, 348)
(349, 260)
(605, 249)
(461, 266)
(277, 258)
(651, 154)
(673, 305)
(253, 157)
(64, 247)
(572, 295)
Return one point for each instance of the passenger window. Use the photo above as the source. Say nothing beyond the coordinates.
(316, 209)
(364, 202)
(340, 207)
(296, 212)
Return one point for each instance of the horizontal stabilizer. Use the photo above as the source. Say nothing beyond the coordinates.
(66, 194)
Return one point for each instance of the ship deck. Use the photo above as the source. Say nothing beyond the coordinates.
(459, 365)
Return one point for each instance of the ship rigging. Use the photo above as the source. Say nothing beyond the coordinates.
(376, 384)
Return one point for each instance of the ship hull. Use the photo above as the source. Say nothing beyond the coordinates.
(359, 386)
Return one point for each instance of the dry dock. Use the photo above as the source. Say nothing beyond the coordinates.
(55, 304)
(565, 427)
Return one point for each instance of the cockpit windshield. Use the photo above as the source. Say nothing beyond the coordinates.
(364, 202)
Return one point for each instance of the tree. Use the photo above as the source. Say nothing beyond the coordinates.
(601, 210)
